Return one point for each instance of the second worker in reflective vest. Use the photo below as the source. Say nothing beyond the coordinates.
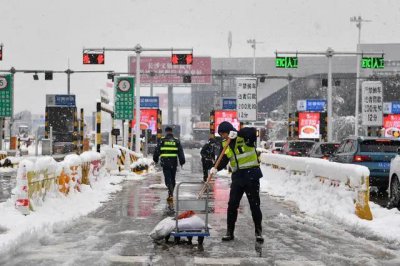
(169, 149)
(246, 174)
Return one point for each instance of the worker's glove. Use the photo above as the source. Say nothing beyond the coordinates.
(213, 171)
(232, 134)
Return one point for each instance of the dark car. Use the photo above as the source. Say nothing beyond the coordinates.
(297, 147)
(372, 152)
(324, 150)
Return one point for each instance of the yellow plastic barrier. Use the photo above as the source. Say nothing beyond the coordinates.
(362, 207)
(63, 183)
(85, 173)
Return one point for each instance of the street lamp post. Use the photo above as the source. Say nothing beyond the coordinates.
(253, 43)
(329, 54)
(138, 50)
(358, 20)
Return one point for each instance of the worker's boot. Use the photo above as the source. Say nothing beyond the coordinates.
(229, 234)
(258, 231)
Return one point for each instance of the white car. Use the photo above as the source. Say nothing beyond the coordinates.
(394, 183)
(275, 146)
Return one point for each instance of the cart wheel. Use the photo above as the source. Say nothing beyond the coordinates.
(177, 240)
(190, 239)
(200, 240)
(167, 238)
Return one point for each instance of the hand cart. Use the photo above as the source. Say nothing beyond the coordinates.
(194, 203)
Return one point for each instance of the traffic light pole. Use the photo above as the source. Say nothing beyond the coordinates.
(138, 49)
(329, 53)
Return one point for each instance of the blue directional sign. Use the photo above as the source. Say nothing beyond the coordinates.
(315, 105)
(395, 107)
(149, 102)
(65, 100)
(229, 103)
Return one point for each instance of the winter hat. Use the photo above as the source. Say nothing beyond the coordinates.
(225, 127)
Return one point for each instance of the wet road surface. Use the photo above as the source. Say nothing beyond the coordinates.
(117, 234)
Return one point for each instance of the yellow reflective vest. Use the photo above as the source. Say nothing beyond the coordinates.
(169, 148)
(241, 156)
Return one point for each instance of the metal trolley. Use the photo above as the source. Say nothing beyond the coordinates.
(194, 203)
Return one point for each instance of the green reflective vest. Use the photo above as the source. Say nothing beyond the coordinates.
(242, 156)
(169, 148)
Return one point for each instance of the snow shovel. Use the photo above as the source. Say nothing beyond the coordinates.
(203, 189)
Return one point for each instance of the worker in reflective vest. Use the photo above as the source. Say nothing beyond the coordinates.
(246, 174)
(170, 150)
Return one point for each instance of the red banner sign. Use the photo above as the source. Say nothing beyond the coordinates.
(159, 70)
(309, 125)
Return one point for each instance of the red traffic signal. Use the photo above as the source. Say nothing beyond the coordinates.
(1, 53)
(93, 58)
(182, 59)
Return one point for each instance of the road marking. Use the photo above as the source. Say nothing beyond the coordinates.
(214, 261)
(298, 263)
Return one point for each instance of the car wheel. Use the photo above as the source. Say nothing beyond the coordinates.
(394, 193)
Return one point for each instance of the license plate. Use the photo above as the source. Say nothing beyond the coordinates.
(384, 165)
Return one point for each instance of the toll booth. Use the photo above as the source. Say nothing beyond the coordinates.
(61, 115)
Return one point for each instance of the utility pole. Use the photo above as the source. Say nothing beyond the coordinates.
(253, 43)
(358, 20)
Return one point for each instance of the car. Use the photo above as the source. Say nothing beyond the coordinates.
(394, 182)
(323, 150)
(275, 146)
(372, 152)
(297, 147)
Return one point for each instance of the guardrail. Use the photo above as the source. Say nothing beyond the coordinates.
(353, 177)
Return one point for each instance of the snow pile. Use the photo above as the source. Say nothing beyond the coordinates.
(352, 175)
(53, 213)
(331, 202)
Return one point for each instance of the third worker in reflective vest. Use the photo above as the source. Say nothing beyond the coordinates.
(170, 150)
(246, 174)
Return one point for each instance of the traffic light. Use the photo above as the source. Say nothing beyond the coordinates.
(48, 75)
(1, 53)
(182, 59)
(93, 58)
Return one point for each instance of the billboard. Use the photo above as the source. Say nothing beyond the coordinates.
(159, 70)
(309, 125)
(226, 115)
(391, 124)
(148, 120)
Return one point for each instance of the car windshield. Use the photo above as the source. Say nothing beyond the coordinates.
(329, 148)
(301, 145)
(379, 146)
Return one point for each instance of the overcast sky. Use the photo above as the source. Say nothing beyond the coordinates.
(47, 34)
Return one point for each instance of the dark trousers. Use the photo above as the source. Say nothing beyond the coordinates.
(207, 165)
(251, 186)
(169, 176)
